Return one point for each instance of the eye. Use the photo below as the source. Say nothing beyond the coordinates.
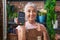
(28, 10)
(34, 10)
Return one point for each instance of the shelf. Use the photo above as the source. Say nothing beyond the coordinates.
(57, 30)
(11, 23)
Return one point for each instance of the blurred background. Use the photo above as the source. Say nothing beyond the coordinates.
(13, 7)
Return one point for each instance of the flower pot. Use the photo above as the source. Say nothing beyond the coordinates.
(42, 19)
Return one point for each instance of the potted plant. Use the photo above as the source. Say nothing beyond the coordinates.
(42, 16)
(11, 12)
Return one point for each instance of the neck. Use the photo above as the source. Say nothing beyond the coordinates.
(32, 22)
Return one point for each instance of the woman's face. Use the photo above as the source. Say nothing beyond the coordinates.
(31, 13)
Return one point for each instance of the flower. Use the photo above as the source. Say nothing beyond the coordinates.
(43, 11)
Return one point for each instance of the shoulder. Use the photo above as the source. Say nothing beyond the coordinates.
(42, 27)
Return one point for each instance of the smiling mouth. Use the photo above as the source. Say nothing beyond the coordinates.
(31, 17)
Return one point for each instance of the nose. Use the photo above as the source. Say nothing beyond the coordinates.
(31, 13)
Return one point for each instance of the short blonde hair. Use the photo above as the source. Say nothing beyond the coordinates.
(28, 5)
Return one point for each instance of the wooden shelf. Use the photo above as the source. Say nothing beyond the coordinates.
(12, 36)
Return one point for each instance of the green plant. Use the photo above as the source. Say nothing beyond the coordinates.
(51, 16)
(11, 13)
(42, 12)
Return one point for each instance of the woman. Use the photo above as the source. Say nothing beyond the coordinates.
(31, 30)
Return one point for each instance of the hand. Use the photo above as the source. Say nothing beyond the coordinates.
(16, 21)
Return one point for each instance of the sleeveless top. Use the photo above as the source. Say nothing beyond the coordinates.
(32, 33)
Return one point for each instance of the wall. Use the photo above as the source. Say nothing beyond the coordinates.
(20, 5)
